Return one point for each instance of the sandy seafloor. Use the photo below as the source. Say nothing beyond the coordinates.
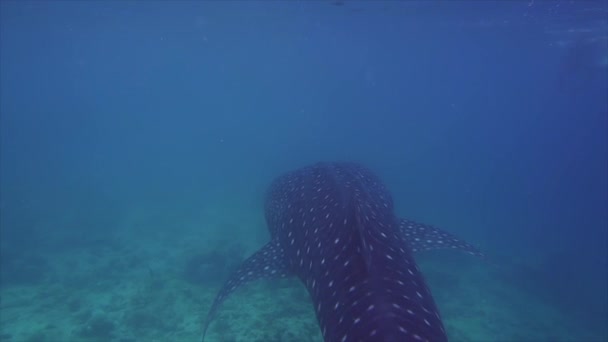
(131, 287)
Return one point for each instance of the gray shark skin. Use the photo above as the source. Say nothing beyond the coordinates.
(332, 225)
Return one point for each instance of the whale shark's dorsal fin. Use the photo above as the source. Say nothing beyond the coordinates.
(423, 237)
(268, 262)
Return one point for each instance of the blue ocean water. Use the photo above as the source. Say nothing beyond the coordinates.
(138, 138)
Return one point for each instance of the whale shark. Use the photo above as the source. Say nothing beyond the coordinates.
(333, 226)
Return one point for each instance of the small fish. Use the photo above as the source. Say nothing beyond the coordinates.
(333, 226)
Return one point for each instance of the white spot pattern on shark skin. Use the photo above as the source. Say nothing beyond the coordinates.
(350, 251)
(372, 215)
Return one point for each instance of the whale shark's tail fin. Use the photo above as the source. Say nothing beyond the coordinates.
(268, 262)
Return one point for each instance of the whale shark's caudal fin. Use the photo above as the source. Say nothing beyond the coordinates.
(423, 237)
(268, 262)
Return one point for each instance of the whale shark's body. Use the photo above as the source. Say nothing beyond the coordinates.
(332, 225)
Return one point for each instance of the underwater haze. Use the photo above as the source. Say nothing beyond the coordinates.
(138, 140)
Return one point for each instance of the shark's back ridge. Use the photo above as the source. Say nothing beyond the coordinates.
(342, 239)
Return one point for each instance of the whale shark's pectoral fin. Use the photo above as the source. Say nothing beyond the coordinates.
(423, 237)
(268, 262)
